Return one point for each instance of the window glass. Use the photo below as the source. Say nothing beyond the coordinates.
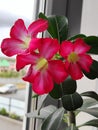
(12, 87)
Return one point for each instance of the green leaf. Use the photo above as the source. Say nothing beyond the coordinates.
(42, 99)
(58, 26)
(72, 101)
(43, 113)
(91, 111)
(91, 94)
(54, 120)
(77, 36)
(72, 127)
(88, 103)
(35, 96)
(93, 122)
(69, 86)
(93, 71)
(93, 42)
(56, 93)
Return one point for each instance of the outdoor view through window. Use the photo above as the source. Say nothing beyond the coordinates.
(12, 87)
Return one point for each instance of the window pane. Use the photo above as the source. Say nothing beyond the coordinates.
(12, 104)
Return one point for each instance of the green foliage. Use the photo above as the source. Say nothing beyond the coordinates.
(3, 112)
(69, 86)
(43, 113)
(72, 127)
(92, 111)
(58, 26)
(93, 122)
(66, 91)
(91, 94)
(89, 102)
(14, 116)
(53, 121)
(56, 93)
(9, 74)
(73, 38)
(93, 42)
(93, 74)
(72, 101)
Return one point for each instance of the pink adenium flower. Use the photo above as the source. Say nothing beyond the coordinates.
(76, 58)
(20, 37)
(44, 69)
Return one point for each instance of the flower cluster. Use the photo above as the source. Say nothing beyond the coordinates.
(49, 61)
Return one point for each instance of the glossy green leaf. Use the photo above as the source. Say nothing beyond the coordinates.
(93, 42)
(91, 94)
(69, 86)
(56, 93)
(58, 26)
(93, 122)
(77, 36)
(72, 101)
(93, 71)
(54, 120)
(91, 111)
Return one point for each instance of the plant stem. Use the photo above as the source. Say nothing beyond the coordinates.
(71, 118)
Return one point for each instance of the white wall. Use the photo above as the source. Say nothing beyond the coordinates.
(89, 23)
(89, 26)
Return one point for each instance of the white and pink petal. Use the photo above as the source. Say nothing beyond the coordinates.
(18, 30)
(11, 46)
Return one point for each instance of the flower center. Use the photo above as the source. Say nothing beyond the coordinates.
(26, 41)
(42, 63)
(73, 57)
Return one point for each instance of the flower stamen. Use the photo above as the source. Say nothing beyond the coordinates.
(42, 63)
(27, 41)
(73, 57)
